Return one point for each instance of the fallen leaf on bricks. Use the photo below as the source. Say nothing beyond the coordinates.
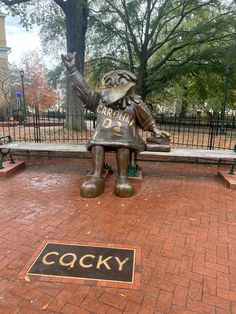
(45, 307)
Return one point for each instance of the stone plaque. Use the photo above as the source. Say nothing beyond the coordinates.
(85, 262)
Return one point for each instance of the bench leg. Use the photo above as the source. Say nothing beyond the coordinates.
(232, 168)
(12, 161)
(1, 160)
(133, 169)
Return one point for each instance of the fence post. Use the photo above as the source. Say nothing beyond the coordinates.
(211, 134)
(37, 134)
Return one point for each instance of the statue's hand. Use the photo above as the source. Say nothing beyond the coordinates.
(159, 137)
(161, 134)
(69, 61)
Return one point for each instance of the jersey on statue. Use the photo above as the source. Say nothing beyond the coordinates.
(119, 113)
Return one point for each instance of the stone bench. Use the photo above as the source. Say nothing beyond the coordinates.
(7, 147)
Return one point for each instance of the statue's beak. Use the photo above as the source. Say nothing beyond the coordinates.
(113, 94)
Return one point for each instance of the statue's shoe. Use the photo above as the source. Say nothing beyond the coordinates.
(93, 187)
(123, 188)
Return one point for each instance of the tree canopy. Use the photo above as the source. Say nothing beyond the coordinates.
(37, 91)
(39, 12)
(75, 21)
(159, 40)
(163, 42)
(9, 84)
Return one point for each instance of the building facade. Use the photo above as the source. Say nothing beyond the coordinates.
(4, 50)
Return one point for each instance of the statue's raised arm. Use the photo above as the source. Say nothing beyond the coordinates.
(88, 96)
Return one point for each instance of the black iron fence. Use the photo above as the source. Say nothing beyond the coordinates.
(200, 132)
(54, 126)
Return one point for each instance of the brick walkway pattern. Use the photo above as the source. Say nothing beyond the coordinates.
(182, 217)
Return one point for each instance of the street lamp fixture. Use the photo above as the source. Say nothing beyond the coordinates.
(22, 73)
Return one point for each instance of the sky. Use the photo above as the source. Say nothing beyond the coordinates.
(19, 40)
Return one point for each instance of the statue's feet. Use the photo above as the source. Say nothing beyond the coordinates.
(93, 187)
(123, 188)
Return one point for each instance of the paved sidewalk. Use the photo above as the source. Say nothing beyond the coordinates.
(182, 217)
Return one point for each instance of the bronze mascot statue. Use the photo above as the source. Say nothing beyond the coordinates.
(119, 112)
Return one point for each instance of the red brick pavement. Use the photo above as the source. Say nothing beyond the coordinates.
(182, 217)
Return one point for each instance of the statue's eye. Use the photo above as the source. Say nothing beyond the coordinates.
(123, 81)
(109, 82)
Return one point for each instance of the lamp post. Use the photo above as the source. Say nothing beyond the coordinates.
(23, 92)
(224, 105)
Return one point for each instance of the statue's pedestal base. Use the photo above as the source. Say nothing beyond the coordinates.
(229, 180)
(10, 169)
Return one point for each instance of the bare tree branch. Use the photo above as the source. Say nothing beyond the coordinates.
(184, 13)
(129, 27)
(125, 18)
(113, 29)
(62, 4)
(12, 2)
(173, 50)
(157, 23)
(108, 58)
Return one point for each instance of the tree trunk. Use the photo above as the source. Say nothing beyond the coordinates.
(141, 87)
(183, 112)
(76, 26)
